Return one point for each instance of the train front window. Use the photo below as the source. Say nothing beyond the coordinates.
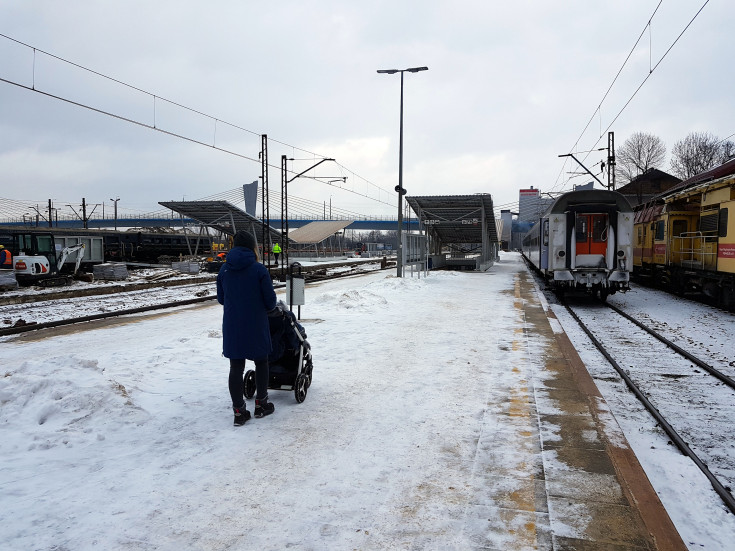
(591, 233)
(581, 229)
(599, 228)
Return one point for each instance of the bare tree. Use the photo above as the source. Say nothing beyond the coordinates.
(637, 154)
(698, 152)
(728, 151)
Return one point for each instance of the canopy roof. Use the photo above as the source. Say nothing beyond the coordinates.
(221, 216)
(457, 218)
(316, 232)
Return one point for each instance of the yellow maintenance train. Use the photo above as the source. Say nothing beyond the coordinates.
(684, 239)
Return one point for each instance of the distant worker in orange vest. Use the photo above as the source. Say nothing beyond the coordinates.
(276, 251)
(6, 258)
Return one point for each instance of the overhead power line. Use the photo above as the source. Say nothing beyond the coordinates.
(599, 105)
(666, 53)
(652, 68)
(153, 126)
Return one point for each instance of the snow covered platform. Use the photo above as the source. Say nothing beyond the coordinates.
(447, 412)
(589, 491)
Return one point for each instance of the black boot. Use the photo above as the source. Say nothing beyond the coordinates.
(263, 407)
(241, 415)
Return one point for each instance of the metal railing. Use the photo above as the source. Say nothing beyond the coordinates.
(694, 250)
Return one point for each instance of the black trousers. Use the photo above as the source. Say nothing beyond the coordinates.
(236, 383)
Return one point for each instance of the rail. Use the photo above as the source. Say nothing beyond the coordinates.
(313, 274)
(676, 438)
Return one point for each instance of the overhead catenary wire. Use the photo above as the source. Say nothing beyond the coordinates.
(299, 207)
(666, 53)
(607, 92)
(652, 68)
(154, 126)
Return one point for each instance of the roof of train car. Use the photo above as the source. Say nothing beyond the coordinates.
(702, 179)
(590, 197)
(648, 212)
(725, 169)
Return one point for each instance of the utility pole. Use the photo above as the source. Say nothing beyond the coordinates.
(115, 202)
(83, 217)
(611, 160)
(284, 216)
(265, 218)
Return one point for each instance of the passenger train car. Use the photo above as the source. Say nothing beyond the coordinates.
(108, 245)
(685, 237)
(584, 241)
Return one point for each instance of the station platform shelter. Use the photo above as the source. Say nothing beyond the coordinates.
(461, 231)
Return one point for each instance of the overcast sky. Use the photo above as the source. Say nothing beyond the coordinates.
(510, 87)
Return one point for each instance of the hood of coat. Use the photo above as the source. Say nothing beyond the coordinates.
(240, 258)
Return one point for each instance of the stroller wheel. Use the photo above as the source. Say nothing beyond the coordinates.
(300, 388)
(248, 385)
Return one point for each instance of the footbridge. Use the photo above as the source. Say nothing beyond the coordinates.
(366, 223)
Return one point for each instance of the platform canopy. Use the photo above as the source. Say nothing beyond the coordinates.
(316, 232)
(221, 216)
(457, 218)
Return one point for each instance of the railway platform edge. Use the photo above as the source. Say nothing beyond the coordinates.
(637, 514)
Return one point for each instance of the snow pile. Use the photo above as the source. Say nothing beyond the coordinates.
(57, 406)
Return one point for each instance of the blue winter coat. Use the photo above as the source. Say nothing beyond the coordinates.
(245, 289)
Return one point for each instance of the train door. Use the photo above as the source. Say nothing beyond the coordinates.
(591, 234)
(681, 242)
(544, 261)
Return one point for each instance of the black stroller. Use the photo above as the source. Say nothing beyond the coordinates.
(290, 360)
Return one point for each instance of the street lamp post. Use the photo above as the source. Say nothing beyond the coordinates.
(399, 188)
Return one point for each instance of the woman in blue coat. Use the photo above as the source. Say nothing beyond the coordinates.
(245, 289)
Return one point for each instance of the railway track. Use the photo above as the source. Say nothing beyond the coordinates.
(682, 392)
(49, 310)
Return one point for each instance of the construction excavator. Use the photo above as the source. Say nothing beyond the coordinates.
(44, 267)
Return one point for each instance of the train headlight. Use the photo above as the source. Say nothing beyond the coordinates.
(621, 253)
(561, 254)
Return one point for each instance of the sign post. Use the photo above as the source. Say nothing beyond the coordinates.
(295, 285)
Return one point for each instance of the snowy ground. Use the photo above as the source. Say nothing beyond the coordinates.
(121, 437)
(48, 307)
